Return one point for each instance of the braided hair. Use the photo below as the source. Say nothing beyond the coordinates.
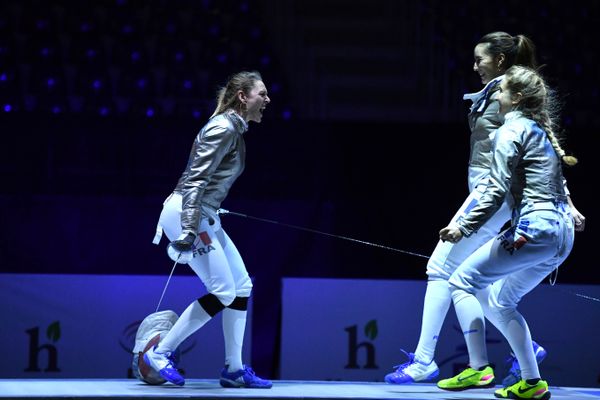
(537, 103)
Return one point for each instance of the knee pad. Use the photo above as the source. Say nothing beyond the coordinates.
(211, 304)
(239, 303)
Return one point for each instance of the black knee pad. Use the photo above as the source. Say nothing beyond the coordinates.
(211, 304)
(239, 303)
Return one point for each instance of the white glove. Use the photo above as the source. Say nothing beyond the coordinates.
(182, 249)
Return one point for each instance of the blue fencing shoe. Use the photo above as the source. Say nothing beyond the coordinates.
(243, 378)
(163, 363)
(514, 373)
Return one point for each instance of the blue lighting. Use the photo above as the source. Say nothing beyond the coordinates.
(96, 84)
(56, 109)
(286, 114)
(187, 84)
(149, 112)
(179, 56)
(196, 114)
(90, 53)
(3, 77)
(103, 111)
(141, 83)
(45, 51)
(50, 82)
(41, 24)
(7, 108)
(135, 55)
(222, 58)
(265, 60)
(213, 30)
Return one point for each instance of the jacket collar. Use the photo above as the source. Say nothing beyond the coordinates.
(512, 115)
(480, 98)
(240, 124)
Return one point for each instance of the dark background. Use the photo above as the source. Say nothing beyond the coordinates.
(366, 136)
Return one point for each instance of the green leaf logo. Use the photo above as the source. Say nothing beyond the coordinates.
(53, 331)
(371, 329)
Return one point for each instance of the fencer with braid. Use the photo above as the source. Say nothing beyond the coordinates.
(493, 54)
(526, 172)
(190, 220)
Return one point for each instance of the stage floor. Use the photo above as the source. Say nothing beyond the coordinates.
(210, 389)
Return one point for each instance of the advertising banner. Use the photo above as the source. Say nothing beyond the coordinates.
(84, 326)
(355, 330)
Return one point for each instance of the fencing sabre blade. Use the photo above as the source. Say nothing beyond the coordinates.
(223, 211)
(166, 285)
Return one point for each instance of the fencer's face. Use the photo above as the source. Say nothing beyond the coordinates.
(256, 101)
(486, 65)
(507, 99)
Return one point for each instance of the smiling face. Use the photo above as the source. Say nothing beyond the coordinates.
(256, 101)
(507, 99)
(486, 64)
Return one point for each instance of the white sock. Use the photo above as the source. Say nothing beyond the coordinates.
(435, 307)
(234, 326)
(192, 319)
(472, 324)
(515, 329)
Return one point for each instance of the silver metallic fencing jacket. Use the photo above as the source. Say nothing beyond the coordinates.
(483, 120)
(525, 170)
(216, 160)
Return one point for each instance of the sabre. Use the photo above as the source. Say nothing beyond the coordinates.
(167, 284)
(227, 212)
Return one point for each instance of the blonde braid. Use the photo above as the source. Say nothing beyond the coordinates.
(537, 103)
(546, 122)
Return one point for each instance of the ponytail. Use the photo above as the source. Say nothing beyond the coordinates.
(517, 50)
(524, 53)
(227, 96)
